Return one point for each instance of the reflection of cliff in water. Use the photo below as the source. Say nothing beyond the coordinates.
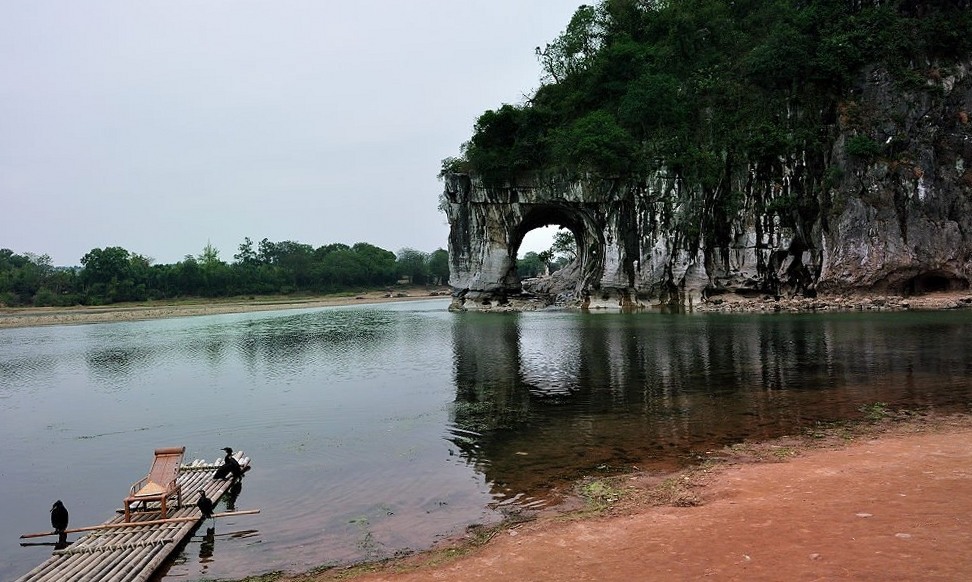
(544, 398)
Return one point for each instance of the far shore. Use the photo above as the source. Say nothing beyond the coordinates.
(38, 316)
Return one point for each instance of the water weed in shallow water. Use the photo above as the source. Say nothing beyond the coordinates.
(875, 412)
(600, 494)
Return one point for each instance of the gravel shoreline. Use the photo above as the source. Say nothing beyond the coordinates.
(38, 316)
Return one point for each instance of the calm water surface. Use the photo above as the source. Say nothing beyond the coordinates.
(380, 429)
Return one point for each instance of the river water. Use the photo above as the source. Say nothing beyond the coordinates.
(376, 430)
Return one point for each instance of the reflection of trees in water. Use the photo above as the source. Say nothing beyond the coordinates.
(281, 343)
(114, 364)
(291, 340)
(210, 345)
(117, 353)
(539, 401)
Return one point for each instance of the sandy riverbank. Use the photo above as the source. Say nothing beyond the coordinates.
(33, 316)
(874, 502)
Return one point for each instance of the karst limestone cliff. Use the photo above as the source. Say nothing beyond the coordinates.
(887, 208)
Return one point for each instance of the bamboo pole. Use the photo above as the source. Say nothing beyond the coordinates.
(134, 569)
(70, 567)
(85, 569)
(140, 523)
(239, 512)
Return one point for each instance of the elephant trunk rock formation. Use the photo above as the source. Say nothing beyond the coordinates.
(895, 220)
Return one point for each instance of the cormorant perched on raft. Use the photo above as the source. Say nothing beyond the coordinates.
(59, 517)
(205, 504)
(230, 467)
(59, 521)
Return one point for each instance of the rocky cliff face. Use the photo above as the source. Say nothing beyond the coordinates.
(887, 207)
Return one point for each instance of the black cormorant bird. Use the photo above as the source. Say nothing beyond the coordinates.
(59, 521)
(230, 467)
(59, 517)
(205, 504)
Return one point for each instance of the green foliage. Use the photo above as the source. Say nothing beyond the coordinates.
(530, 265)
(875, 412)
(653, 102)
(114, 274)
(564, 245)
(601, 494)
(571, 52)
(505, 142)
(439, 267)
(31, 279)
(247, 256)
(863, 147)
(413, 265)
(451, 165)
(210, 255)
(705, 88)
(9, 299)
(594, 143)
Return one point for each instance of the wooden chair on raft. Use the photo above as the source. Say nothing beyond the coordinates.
(160, 484)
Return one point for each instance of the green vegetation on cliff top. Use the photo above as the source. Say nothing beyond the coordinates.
(697, 86)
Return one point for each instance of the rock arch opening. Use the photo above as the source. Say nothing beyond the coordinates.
(579, 273)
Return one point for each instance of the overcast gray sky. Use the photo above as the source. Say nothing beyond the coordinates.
(161, 125)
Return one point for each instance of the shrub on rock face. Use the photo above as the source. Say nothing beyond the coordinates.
(862, 147)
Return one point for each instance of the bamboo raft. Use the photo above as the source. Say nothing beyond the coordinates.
(116, 551)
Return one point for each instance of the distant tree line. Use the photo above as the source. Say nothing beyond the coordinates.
(114, 274)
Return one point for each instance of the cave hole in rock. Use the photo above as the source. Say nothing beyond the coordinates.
(934, 282)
